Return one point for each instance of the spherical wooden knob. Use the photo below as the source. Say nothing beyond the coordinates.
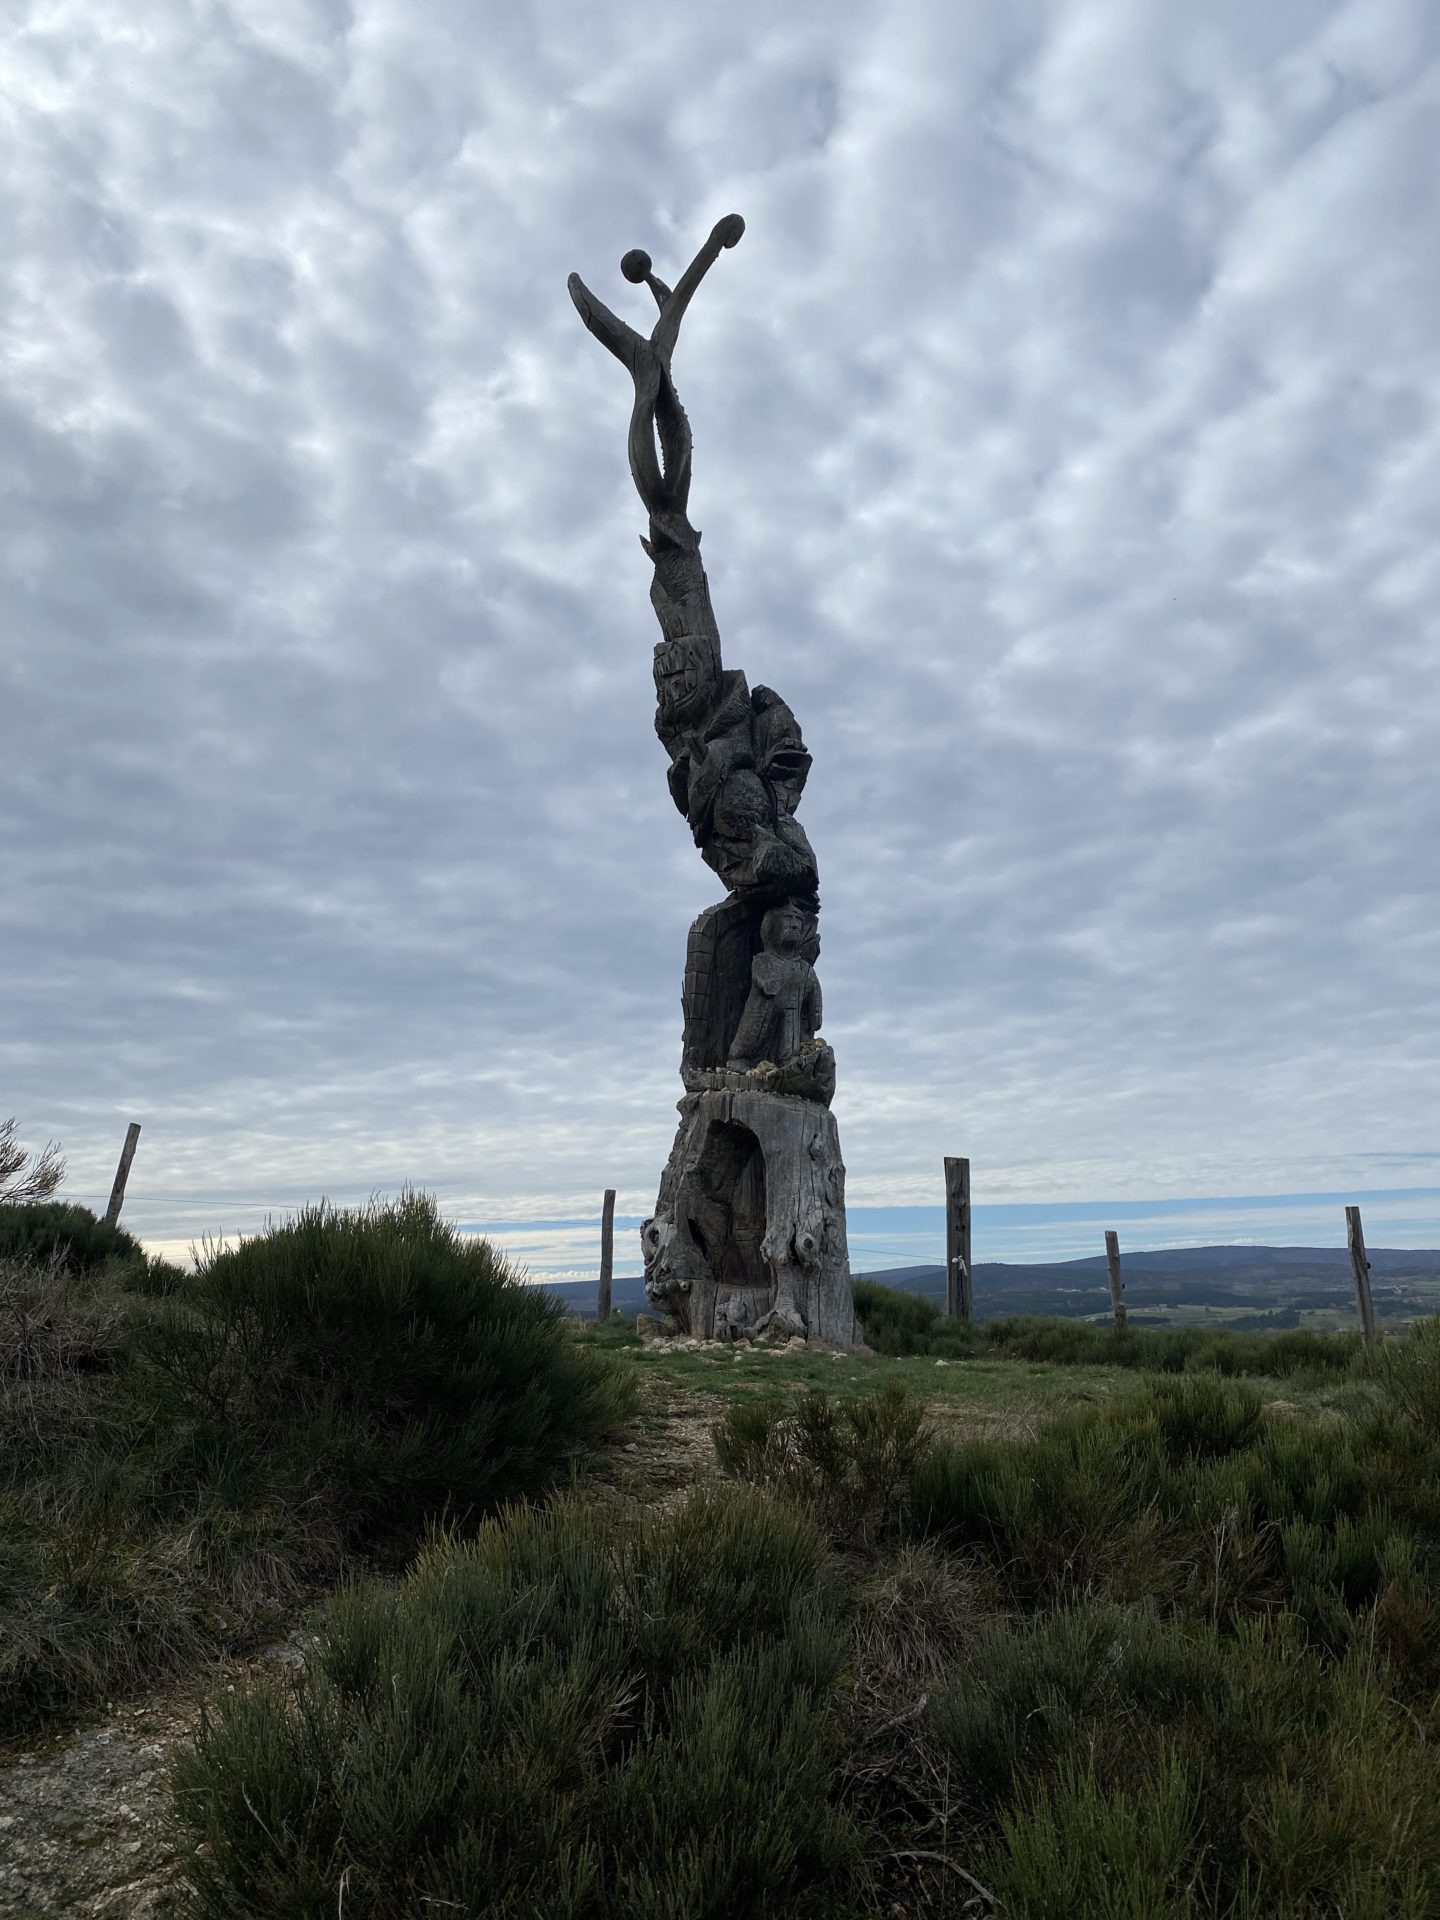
(636, 265)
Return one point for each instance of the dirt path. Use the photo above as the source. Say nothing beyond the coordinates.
(671, 1451)
(84, 1825)
(84, 1822)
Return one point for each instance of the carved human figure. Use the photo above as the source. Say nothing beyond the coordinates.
(737, 777)
(784, 1007)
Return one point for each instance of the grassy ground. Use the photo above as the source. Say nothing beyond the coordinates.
(1008, 1396)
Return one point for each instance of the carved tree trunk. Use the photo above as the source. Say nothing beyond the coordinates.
(749, 1229)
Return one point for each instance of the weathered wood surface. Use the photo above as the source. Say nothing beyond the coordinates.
(749, 1227)
(1117, 1284)
(959, 1283)
(748, 1235)
(122, 1173)
(1360, 1268)
(607, 1255)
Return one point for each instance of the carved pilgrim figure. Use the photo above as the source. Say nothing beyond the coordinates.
(783, 1011)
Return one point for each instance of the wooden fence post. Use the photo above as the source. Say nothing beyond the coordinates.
(607, 1255)
(1360, 1267)
(122, 1174)
(959, 1285)
(1117, 1285)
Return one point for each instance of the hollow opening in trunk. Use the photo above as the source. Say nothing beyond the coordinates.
(729, 1227)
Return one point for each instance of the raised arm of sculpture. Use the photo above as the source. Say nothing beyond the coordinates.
(663, 480)
(738, 763)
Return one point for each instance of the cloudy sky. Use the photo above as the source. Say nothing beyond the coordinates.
(1067, 449)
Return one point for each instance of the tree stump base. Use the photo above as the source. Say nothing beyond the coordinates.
(748, 1236)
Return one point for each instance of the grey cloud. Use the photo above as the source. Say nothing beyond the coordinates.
(1066, 450)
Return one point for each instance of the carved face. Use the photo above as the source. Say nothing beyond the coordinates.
(685, 679)
(784, 928)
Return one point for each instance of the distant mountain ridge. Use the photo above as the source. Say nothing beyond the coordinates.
(1278, 1264)
(1284, 1280)
(1180, 1259)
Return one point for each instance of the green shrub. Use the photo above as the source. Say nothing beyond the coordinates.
(1188, 1491)
(1110, 1751)
(883, 1311)
(898, 1324)
(1408, 1369)
(1070, 1850)
(1074, 1509)
(852, 1461)
(1203, 1418)
(1245, 1725)
(1059, 1342)
(53, 1231)
(574, 1715)
(157, 1277)
(79, 1583)
(1303, 1351)
(1175, 1654)
(380, 1362)
(751, 1438)
(1174, 1349)
(1112, 1681)
(178, 1472)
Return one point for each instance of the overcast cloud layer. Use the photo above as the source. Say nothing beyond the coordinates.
(1067, 447)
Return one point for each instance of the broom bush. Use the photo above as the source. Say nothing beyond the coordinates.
(380, 1362)
(180, 1470)
(1171, 1656)
(572, 1715)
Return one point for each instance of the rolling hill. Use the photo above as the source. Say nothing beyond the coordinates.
(1223, 1285)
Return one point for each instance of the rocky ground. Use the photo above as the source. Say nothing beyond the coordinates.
(84, 1825)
